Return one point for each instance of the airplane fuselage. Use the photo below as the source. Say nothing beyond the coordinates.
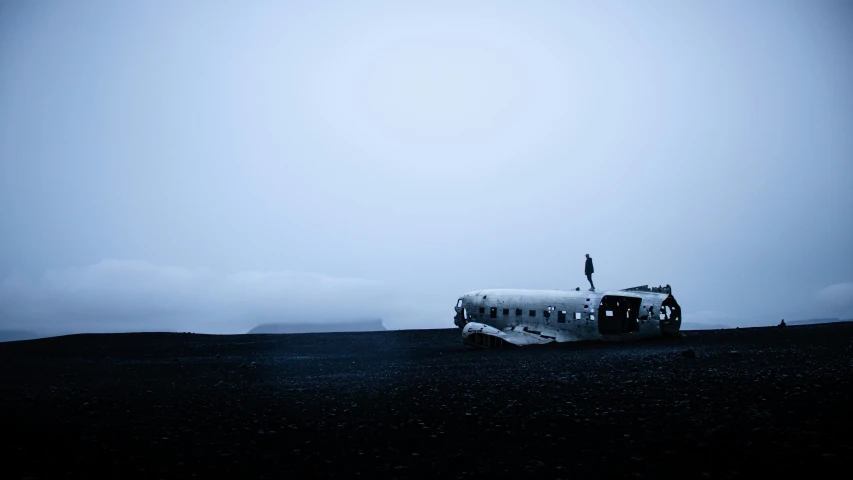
(525, 317)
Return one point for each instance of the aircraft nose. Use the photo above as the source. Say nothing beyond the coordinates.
(459, 319)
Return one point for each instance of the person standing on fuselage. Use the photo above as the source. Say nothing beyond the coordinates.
(588, 271)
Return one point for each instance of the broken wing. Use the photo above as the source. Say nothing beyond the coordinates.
(479, 334)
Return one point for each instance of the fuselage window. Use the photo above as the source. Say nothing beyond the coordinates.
(482, 309)
(577, 315)
(493, 312)
(532, 313)
(547, 313)
(561, 317)
(518, 311)
(459, 303)
(506, 311)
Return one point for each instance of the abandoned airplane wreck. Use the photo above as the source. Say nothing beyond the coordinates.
(499, 317)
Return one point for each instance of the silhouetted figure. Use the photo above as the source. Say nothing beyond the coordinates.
(783, 323)
(588, 270)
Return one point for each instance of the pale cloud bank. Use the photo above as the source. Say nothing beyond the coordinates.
(832, 301)
(130, 295)
(838, 296)
(125, 295)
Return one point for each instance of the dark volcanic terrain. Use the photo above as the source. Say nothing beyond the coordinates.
(405, 404)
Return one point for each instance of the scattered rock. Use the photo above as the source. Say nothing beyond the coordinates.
(351, 403)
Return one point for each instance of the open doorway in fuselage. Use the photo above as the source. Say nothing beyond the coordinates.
(617, 315)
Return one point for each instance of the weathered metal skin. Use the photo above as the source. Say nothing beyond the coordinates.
(498, 317)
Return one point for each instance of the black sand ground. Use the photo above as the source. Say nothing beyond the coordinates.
(417, 403)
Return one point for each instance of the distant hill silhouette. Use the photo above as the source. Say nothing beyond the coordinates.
(717, 326)
(703, 326)
(359, 325)
(812, 321)
(15, 335)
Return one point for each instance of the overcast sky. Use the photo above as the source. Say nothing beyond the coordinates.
(209, 165)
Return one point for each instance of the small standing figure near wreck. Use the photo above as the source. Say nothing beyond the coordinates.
(588, 270)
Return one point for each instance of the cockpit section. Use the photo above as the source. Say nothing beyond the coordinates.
(461, 317)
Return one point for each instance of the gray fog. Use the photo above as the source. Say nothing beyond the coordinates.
(208, 166)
